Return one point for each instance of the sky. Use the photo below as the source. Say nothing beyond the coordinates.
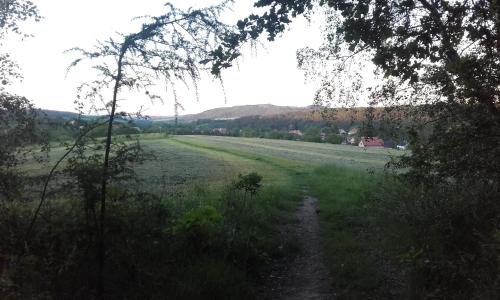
(267, 76)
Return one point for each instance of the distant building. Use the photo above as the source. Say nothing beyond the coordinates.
(401, 147)
(342, 131)
(296, 132)
(353, 131)
(372, 142)
(322, 136)
(221, 131)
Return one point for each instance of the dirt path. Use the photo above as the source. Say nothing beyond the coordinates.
(306, 277)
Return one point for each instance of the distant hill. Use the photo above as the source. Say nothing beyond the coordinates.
(234, 112)
(313, 113)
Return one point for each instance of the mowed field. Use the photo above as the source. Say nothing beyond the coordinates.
(296, 153)
(182, 160)
(212, 159)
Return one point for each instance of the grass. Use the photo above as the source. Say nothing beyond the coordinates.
(297, 154)
(195, 171)
(345, 229)
(337, 176)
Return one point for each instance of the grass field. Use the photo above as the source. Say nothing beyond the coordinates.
(182, 160)
(295, 154)
(338, 175)
(194, 171)
(335, 174)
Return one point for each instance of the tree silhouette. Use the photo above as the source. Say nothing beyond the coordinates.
(172, 48)
(18, 117)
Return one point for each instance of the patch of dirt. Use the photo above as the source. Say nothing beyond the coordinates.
(305, 277)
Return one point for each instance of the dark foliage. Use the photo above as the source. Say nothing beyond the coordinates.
(18, 131)
(249, 183)
(442, 58)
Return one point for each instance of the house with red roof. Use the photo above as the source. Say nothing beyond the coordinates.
(372, 142)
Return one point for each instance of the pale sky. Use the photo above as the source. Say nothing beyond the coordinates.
(269, 76)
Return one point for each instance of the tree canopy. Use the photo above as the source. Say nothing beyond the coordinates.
(439, 55)
(442, 60)
(18, 122)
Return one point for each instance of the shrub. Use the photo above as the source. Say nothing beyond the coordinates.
(334, 138)
(445, 237)
(198, 227)
(249, 183)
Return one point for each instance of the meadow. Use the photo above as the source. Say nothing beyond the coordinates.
(183, 160)
(342, 178)
(193, 179)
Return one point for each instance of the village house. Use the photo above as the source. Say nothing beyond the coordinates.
(220, 131)
(296, 132)
(372, 142)
(353, 131)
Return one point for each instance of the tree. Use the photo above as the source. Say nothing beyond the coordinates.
(18, 129)
(171, 47)
(429, 52)
(18, 117)
(312, 134)
(438, 66)
(12, 13)
(333, 138)
(368, 128)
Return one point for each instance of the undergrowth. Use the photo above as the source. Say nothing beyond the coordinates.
(211, 244)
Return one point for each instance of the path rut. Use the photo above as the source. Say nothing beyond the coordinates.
(306, 277)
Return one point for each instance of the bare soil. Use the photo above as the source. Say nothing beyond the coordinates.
(304, 277)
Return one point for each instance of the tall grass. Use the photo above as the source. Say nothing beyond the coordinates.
(209, 242)
(349, 241)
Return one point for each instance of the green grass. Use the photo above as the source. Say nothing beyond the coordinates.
(195, 171)
(337, 176)
(296, 154)
(342, 195)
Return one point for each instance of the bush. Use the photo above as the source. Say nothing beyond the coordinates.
(199, 228)
(154, 251)
(313, 134)
(249, 183)
(445, 236)
(334, 139)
